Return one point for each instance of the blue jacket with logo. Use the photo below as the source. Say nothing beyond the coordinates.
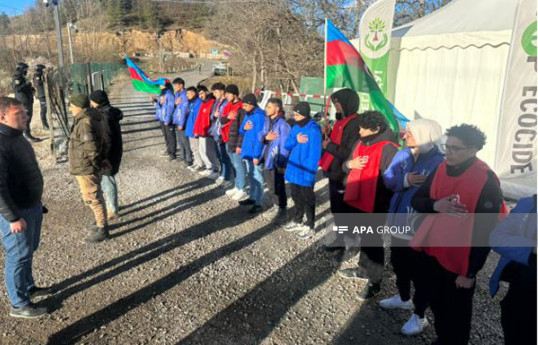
(164, 112)
(252, 145)
(277, 155)
(303, 160)
(514, 238)
(181, 108)
(402, 164)
(194, 108)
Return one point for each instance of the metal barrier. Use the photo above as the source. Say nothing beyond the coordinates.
(61, 83)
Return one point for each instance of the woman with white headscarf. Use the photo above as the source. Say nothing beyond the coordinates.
(408, 170)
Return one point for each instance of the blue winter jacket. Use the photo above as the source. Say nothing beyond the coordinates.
(518, 230)
(277, 156)
(214, 130)
(403, 163)
(181, 109)
(303, 160)
(194, 108)
(252, 145)
(164, 112)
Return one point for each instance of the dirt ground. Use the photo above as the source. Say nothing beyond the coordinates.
(186, 265)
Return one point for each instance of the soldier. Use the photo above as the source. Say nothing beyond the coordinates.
(24, 93)
(39, 84)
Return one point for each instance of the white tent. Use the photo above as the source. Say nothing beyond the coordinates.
(450, 65)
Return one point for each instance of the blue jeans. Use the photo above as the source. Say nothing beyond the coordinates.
(110, 191)
(239, 167)
(226, 168)
(255, 178)
(20, 248)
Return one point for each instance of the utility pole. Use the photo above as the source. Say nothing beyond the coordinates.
(56, 4)
(69, 27)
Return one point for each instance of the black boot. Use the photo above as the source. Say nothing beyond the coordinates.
(98, 236)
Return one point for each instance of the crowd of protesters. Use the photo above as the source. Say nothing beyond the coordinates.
(370, 170)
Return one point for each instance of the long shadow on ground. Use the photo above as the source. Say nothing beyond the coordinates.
(88, 324)
(250, 319)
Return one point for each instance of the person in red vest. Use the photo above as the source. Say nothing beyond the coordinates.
(461, 186)
(366, 192)
(337, 148)
(206, 144)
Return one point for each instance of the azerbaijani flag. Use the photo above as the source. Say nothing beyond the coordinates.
(141, 82)
(345, 68)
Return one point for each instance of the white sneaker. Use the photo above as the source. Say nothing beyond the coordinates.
(395, 302)
(292, 226)
(305, 232)
(231, 192)
(240, 195)
(415, 325)
(219, 180)
(214, 175)
(271, 212)
(205, 173)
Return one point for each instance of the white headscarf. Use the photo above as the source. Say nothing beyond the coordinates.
(427, 133)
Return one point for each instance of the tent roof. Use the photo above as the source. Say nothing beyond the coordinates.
(463, 16)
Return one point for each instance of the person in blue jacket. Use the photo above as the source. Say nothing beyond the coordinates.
(409, 169)
(515, 240)
(164, 110)
(252, 134)
(180, 115)
(304, 144)
(275, 156)
(194, 107)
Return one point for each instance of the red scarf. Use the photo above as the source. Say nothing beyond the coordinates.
(361, 185)
(203, 121)
(225, 129)
(336, 137)
(449, 238)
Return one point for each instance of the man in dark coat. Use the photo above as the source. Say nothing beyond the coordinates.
(21, 211)
(99, 100)
(39, 84)
(24, 92)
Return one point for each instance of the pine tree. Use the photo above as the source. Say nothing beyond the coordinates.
(150, 15)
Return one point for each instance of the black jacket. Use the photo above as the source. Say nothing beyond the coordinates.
(23, 90)
(21, 182)
(383, 194)
(114, 116)
(235, 140)
(490, 201)
(349, 100)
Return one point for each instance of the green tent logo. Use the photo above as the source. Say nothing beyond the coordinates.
(528, 40)
(377, 38)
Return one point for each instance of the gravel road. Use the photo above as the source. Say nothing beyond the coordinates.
(186, 265)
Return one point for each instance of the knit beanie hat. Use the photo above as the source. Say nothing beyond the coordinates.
(80, 100)
(100, 97)
(302, 108)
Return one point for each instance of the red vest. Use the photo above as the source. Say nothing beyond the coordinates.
(336, 137)
(203, 121)
(361, 185)
(225, 129)
(449, 238)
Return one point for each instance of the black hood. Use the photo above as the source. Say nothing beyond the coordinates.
(349, 100)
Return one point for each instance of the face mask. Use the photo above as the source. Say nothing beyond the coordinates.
(339, 116)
